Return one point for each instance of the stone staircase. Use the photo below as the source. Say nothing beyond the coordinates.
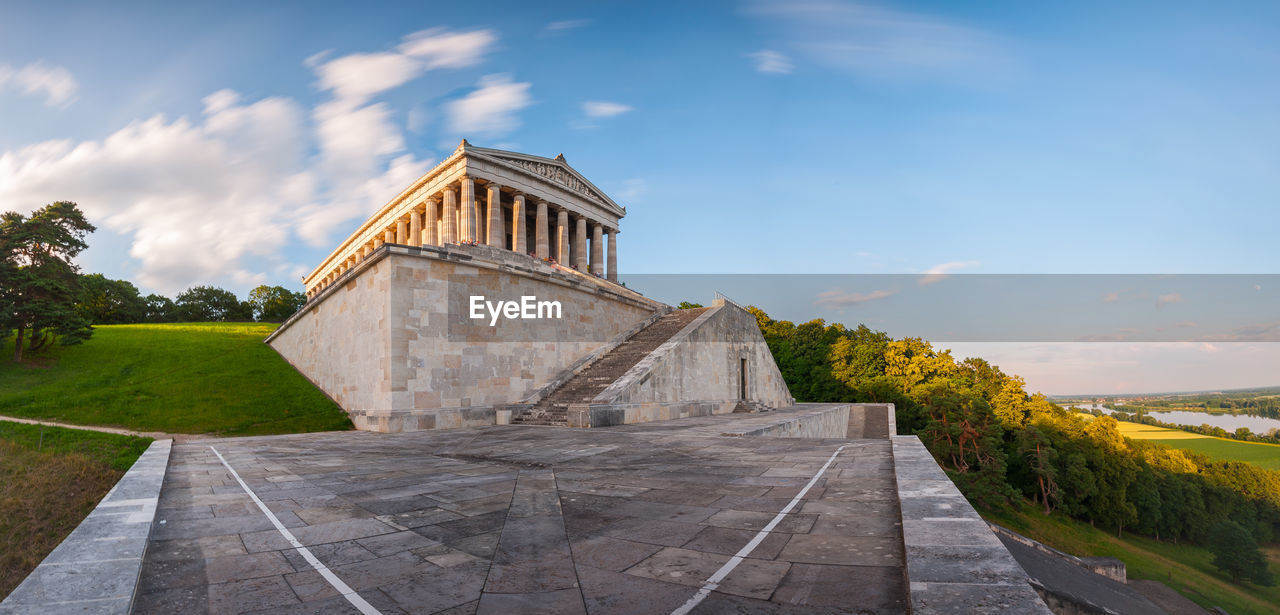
(583, 387)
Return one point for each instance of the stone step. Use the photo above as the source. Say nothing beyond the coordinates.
(606, 370)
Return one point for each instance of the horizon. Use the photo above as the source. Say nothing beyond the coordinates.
(235, 144)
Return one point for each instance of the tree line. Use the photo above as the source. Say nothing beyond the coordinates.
(1001, 445)
(45, 299)
(103, 301)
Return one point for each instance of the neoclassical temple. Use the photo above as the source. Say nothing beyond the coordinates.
(526, 204)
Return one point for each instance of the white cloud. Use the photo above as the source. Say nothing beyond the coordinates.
(357, 77)
(491, 108)
(937, 273)
(839, 298)
(598, 108)
(55, 83)
(568, 24)
(198, 198)
(864, 38)
(361, 147)
(770, 61)
(1169, 298)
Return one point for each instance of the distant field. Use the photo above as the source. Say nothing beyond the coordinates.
(216, 378)
(1265, 455)
(1184, 567)
(50, 478)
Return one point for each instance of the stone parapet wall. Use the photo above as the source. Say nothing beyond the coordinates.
(955, 563)
(393, 345)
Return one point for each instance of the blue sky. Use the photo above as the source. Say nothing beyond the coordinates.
(235, 144)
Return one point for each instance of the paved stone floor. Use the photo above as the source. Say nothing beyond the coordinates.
(518, 519)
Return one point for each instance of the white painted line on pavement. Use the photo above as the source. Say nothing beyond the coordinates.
(733, 562)
(344, 589)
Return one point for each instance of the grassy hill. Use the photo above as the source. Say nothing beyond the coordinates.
(1186, 568)
(216, 378)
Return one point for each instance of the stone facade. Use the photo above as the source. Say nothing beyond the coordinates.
(392, 343)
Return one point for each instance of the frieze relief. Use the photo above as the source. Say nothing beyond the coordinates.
(555, 174)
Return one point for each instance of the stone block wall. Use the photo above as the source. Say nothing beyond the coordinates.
(395, 346)
(342, 342)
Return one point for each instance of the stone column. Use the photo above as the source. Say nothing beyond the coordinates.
(613, 255)
(450, 217)
(415, 227)
(562, 237)
(541, 245)
(468, 230)
(494, 231)
(377, 242)
(402, 231)
(429, 235)
(517, 225)
(597, 249)
(580, 244)
(389, 236)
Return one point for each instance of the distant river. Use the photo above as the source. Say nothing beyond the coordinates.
(1229, 422)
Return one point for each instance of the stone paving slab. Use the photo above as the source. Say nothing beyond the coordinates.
(525, 519)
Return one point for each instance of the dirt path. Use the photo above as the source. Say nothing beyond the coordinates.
(157, 435)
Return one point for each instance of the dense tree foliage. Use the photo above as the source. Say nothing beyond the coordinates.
(999, 443)
(1236, 553)
(104, 301)
(39, 283)
(211, 304)
(274, 303)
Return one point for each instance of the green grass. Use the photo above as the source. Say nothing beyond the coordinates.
(115, 451)
(1184, 567)
(1259, 453)
(217, 378)
(50, 478)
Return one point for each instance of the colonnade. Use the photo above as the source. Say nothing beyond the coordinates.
(459, 214)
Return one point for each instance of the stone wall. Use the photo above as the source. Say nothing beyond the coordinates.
(341, 342)
(702, 363)
(393, 343)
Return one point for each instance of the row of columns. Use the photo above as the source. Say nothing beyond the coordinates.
(443, 220)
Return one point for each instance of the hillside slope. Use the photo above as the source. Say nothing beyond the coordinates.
(216, 378)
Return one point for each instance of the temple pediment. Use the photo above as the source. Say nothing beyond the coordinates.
(556, 170)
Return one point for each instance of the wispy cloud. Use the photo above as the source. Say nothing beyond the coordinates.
(937, 273)
(769, 61)
(632, 189)
(491, 108)
(55, 83)
(599, 108)
(1113, 297)
(869, 39)
(1170, 298)
(567, 24)
(840, 298)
